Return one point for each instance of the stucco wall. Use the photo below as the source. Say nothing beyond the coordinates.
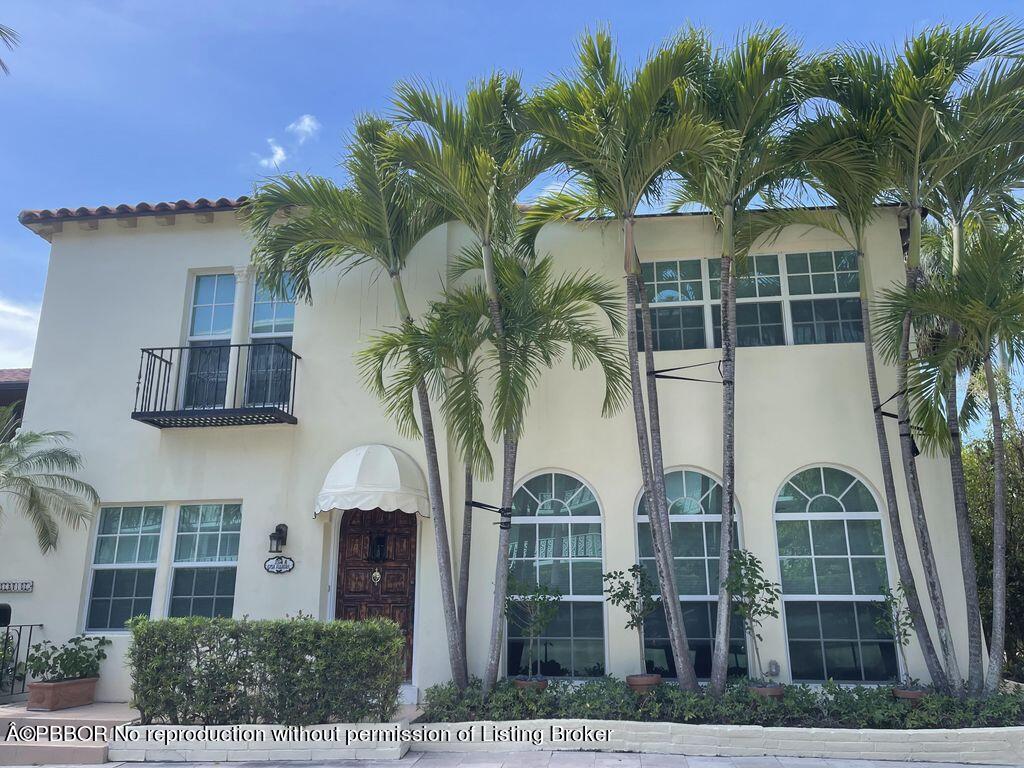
(114, 290)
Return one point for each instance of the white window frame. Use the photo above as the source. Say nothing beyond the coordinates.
(174, 564)
(535, 521)
(785, 297)
(844, 516)
(92, 566)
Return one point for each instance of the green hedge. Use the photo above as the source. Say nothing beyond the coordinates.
(828, 706)
(295, 671)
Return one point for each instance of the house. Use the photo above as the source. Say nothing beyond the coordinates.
(14, 386)
(246, 471)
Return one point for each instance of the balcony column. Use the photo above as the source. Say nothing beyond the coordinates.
(235, 390)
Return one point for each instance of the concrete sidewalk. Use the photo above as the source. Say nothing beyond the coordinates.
(556, 760)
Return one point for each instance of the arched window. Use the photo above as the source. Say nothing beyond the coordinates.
(556, 542)
(694, 506)
(832, 561)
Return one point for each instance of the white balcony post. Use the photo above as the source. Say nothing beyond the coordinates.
(239, 333)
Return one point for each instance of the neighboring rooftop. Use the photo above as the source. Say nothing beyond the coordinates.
(14, 375)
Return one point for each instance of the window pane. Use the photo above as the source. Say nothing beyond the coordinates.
(829, 537)
(588, 620)
(833, 576)
(866, 537)
(794, 537)
(838, 621)
(585, 540)
(842, 660)
(797, 576)
(586, 578)
(553, 540)
(523, 541)
(869, 575)
(802, 621)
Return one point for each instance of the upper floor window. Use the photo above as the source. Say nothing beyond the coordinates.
(273, 313)
(833, 566)
(556, 541)
(694, 507)
(799, 298)
(213, 304)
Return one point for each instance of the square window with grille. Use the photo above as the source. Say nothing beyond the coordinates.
(205, 560)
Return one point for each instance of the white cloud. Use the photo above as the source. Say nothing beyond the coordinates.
(18, 325)
(275, 158)
(304, 127)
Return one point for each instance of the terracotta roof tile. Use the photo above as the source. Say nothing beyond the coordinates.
(124, 209)
(14, 375)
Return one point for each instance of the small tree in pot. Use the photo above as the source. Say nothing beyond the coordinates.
(755, 599)
(633, 591)
(895, 620)
(65, 675)
(531, 607)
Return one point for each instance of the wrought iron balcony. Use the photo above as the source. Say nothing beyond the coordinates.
(215, 384)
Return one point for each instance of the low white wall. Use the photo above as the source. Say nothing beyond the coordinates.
(991, 746)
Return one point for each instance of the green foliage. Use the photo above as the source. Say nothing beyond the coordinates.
(895, 619)
(632, 591)
(295, 671)
(36, 478)
(978, 476)
(77, 658)
(828, 706)
(531, 607)
(755, 598)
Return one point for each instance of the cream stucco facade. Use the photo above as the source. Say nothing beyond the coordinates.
(112, 290)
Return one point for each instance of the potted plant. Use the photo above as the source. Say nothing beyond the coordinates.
(531, 608)
(633, 591)
(755, 599)
(65, 675)
(895, 620)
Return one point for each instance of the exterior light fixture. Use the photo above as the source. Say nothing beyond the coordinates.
(278, 538)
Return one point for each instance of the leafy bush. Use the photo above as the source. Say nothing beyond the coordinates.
(296, 671)
(77, 658)
(830, 706)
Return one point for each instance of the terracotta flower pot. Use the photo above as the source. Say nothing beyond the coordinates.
(46, 697)
(767, 691)
(643, 683)
(913, 695)
(534, 685)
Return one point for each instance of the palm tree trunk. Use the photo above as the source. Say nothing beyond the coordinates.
(462, 598)
(997, 645)
(654, 479)
(510, 448)
(720, 658)
(903, 568)
(933, 583)
(456, 646)
(968, 565)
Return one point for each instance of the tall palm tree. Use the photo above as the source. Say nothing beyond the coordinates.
(306, 224)
(9, 39)
(753, 91)
(456, 347)
(984, 300)
(615, 132)
(843, 150)
(36, 480)
(473, 159)
(943, 113)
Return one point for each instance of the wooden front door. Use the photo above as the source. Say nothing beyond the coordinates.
(377, 569)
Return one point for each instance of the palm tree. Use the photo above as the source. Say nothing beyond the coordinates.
(474, 159)
(9, 39)
(843, 150)
(753, 92)
(615, 132)
(306, 224)
(984, 300)
(456, 346)
(942, 114)
(35, 479)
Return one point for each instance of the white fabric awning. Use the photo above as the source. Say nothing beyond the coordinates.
(374, 477)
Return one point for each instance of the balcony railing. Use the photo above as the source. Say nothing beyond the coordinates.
(214, 384)
(15, 649)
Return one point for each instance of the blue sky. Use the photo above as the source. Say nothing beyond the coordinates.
(110, 102)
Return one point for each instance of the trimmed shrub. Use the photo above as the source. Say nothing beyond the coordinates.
(295, 671)
(828, 706)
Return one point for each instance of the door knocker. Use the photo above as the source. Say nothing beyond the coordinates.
(375, 576)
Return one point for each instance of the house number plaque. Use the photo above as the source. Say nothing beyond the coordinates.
(16, 585)
(279, 564)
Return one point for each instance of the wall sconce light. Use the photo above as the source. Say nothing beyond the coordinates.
(278, 538)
